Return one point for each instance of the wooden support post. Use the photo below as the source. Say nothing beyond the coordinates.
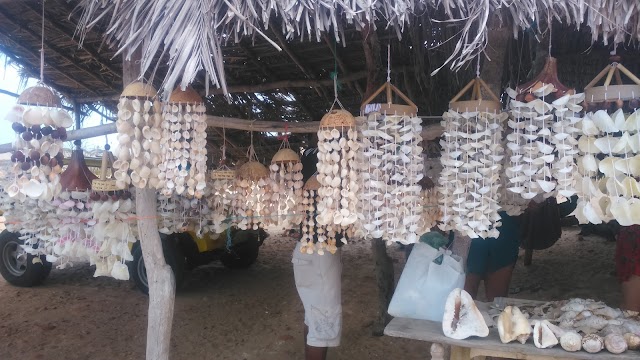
(162, 284)
(385, 280)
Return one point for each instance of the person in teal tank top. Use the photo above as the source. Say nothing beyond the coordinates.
(492, 259)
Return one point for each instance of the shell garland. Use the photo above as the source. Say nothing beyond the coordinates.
(309, 228)
(183, 148)
(338, 178)
(139, 152)
(542, 144)
(393, 165)
(469, 183)
(286, 180)
(610, 146)
(220, 200)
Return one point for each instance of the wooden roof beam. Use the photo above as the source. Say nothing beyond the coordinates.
(93, 54)
(35, 35)
(37, 56)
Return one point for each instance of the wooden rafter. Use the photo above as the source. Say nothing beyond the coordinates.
(56, 68)
(72, 61)
(106, 65)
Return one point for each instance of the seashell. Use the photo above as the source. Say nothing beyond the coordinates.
(592, 343)
(615, 343)
(543, 336)
(462, 319)
(60, 118)
(632, 340)
(571, 341)
(513, 325)
(33, 188)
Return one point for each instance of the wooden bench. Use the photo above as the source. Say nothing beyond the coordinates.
(431, 331)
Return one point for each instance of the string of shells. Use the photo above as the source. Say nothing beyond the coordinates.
(286, 179)
(472, 163)
(308, 207)
(609, 165)
(392, 167)
(139, 134)
(221, 195)
(253, 206)
(183, 145)
(431, 213)
(338, 178)
(40, 124)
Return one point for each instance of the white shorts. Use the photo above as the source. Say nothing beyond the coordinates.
(318, 280)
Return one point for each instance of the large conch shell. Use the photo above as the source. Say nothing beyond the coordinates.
(462, 319)
(513, 325)
(543, 336)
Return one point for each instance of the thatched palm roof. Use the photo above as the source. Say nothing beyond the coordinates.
(265, 84)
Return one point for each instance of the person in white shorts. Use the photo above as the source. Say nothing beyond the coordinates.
(318, 281)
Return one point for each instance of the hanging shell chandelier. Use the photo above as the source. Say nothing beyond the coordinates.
(543, 145)
(310, 231)
(41, 126)
(286, 178)
(609, 147)
(472, 154)
(391, 207)
(139, 134)
(254, 193)
(222, 193)
(338, 178)
(183, 145)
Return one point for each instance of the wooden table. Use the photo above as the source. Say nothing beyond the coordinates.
(431, 331)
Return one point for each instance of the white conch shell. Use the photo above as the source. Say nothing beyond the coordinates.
(462, 318)
(513, 325)
(615, 343)
(633, 341)
(571, 341)
(543, 337)
(592, 343)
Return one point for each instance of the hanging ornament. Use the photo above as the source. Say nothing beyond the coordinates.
(138, 125)
(254, 193)
(307, 207)
(472, 162)
(609, 146)
(543, 142)
(286, 178)
(223, 193)
(392, 167)
(183, 144)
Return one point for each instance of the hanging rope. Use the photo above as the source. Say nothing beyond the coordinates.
(42, 47)
(389, 62)
(550, 22)
(478, 67)
(334, 76)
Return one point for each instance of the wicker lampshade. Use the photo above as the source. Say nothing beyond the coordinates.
(252, 170)
(285, 155)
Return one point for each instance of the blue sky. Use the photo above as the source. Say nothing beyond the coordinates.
(10, 81)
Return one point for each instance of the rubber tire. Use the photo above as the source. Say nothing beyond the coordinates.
(173, 256)
(244, 254)
(34, 275)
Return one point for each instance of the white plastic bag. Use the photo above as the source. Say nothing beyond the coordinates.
(424, 284)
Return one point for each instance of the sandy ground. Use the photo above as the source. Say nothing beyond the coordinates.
(254, 313)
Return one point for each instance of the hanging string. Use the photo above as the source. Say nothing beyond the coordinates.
(389, 62)
(550, 22)
(334, 75)
(478, 67)
(42, 47)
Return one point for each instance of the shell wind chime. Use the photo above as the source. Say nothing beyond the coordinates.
(472, 157)
(112, 230)
(252, 203)
(338, 178)
(308, 207)
(543, 145)
(139, 151)
(391, 206)
(41, 126)
(609, 165)
(183, 141)
(286, 177)
(222, 194)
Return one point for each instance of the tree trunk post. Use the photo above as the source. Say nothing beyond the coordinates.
(385, 280)
(162, 284)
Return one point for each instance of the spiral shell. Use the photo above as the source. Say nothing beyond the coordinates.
(615, 343)
(592, 343)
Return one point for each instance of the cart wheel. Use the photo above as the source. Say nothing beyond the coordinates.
(173, 256)
(16, 266)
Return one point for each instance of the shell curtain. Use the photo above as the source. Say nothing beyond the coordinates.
(470, 179)
(392, 166)
(286, 178)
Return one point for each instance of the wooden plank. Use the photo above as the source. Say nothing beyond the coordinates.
(431, 331)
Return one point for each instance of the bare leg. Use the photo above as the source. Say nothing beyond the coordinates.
(631, 294)
(472, 284)
(497, 283)
(312, 352)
